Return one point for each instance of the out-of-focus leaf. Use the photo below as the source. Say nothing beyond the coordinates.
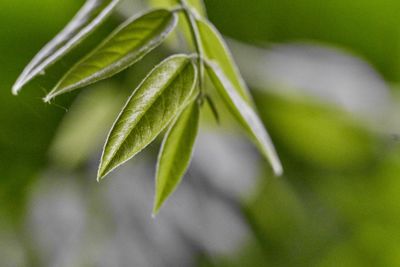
(338, 140)
(215, 49)
(158, 100)
(124, 47)
(175, 154)
(92, 14)
(246, 116)
(85, 126)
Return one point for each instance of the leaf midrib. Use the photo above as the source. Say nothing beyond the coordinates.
(56, 53)
(107, 68)
(170, 81)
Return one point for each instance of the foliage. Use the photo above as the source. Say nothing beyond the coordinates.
(170, 96)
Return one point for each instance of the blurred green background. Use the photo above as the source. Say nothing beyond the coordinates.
(338, 203)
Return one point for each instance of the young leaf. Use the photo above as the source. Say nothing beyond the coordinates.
(175, 154)
(161, 96)
(124, 47)
(245, 115)
(91, 15)
(215, 49)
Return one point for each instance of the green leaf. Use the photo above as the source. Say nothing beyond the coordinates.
(196, 5)
(175, 42)
(158, 100)
(175, 154)
(213, 108)
(125, 46)
(91, 15)
(215, 49)
(85, 125)
(244, 113)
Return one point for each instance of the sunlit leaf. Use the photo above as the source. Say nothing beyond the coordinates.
(125, 46)
(246, 116)
(92, 14)
(159, 99)
(215, 49)
(175, 154)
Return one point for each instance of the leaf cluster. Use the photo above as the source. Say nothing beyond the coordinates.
(169, 98)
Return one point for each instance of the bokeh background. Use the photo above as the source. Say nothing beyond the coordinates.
(324, 75)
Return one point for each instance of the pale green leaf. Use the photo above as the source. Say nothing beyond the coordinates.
(244, 113)
(213, 108)
(196, 5)
(125, 46)
(175, 41)
(89, 17)
(158, 100)
(85, 125)
(175, 154)
(215, 49)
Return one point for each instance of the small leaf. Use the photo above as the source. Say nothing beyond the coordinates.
(91, 15)
(175, 154)
(216, 50)
(161, 96)
(246, 116)
(124, 47)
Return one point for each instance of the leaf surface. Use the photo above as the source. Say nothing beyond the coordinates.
(215, 49)
(85, 126)
(88, 18)
(196, 5)
(124, 47)
(246, 116)
(175, 42)
(158, 100)
(175, 154)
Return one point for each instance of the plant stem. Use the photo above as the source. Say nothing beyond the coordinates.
(196, 41)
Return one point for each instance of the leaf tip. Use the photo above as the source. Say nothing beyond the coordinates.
(154, 213)
(16, 88)
(156, 209)
(48, 98)
(277, 168)
(274, 160)
(100, 174)
(279, 172)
